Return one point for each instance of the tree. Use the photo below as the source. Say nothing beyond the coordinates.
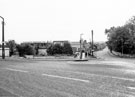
(60, 49)
(50, 50)
(67, 49)
(25, 49)
(122, 39)
(57, 49)
(131, 21)
(12, 46)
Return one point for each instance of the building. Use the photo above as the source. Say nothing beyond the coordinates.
(60, 42)
(42, 51)
(75, 46)
(6, 52)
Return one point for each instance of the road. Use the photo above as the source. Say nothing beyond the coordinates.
(106, 55)
(61, 78)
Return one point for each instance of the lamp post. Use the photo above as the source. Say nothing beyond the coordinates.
(3, 48)
(80, 45)
(81, 40)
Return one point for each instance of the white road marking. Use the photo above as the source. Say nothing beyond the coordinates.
(56, 76)
(130, 71)
(69, 78)
(104, 76)
(120, 78)
(132, 88)
(16, 70)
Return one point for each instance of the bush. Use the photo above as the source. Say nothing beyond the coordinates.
(50, 50)
(58, 49)
(12, 46)
(25, 50)
(67, 49)
(55, 49)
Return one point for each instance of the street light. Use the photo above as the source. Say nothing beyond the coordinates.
(3, 48)
(81, 40)
(80, 45)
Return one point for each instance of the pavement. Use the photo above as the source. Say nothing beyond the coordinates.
(106, 76)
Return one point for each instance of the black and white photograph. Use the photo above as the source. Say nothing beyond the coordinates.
(67, 48)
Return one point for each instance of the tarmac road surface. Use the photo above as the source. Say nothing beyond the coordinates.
(94, 78)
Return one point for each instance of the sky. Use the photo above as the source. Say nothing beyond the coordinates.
(48, 20)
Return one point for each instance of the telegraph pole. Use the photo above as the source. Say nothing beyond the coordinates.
(92, 40)
(3, 48)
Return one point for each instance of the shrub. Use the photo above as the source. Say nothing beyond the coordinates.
(60, 49)
(25, 50)
(67, 49)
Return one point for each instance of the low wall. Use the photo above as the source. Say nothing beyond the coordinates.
(6, 52)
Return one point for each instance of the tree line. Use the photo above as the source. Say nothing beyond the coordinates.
(52, 49)
(32, 48)
(122, 38)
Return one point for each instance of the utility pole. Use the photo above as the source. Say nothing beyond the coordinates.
(3, 48)
(92, 40)
(122, 48)
(80, 42)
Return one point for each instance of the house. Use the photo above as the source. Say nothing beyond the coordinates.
(6, 52)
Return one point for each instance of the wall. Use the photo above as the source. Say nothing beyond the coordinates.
(42, 52)
(6, 52)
